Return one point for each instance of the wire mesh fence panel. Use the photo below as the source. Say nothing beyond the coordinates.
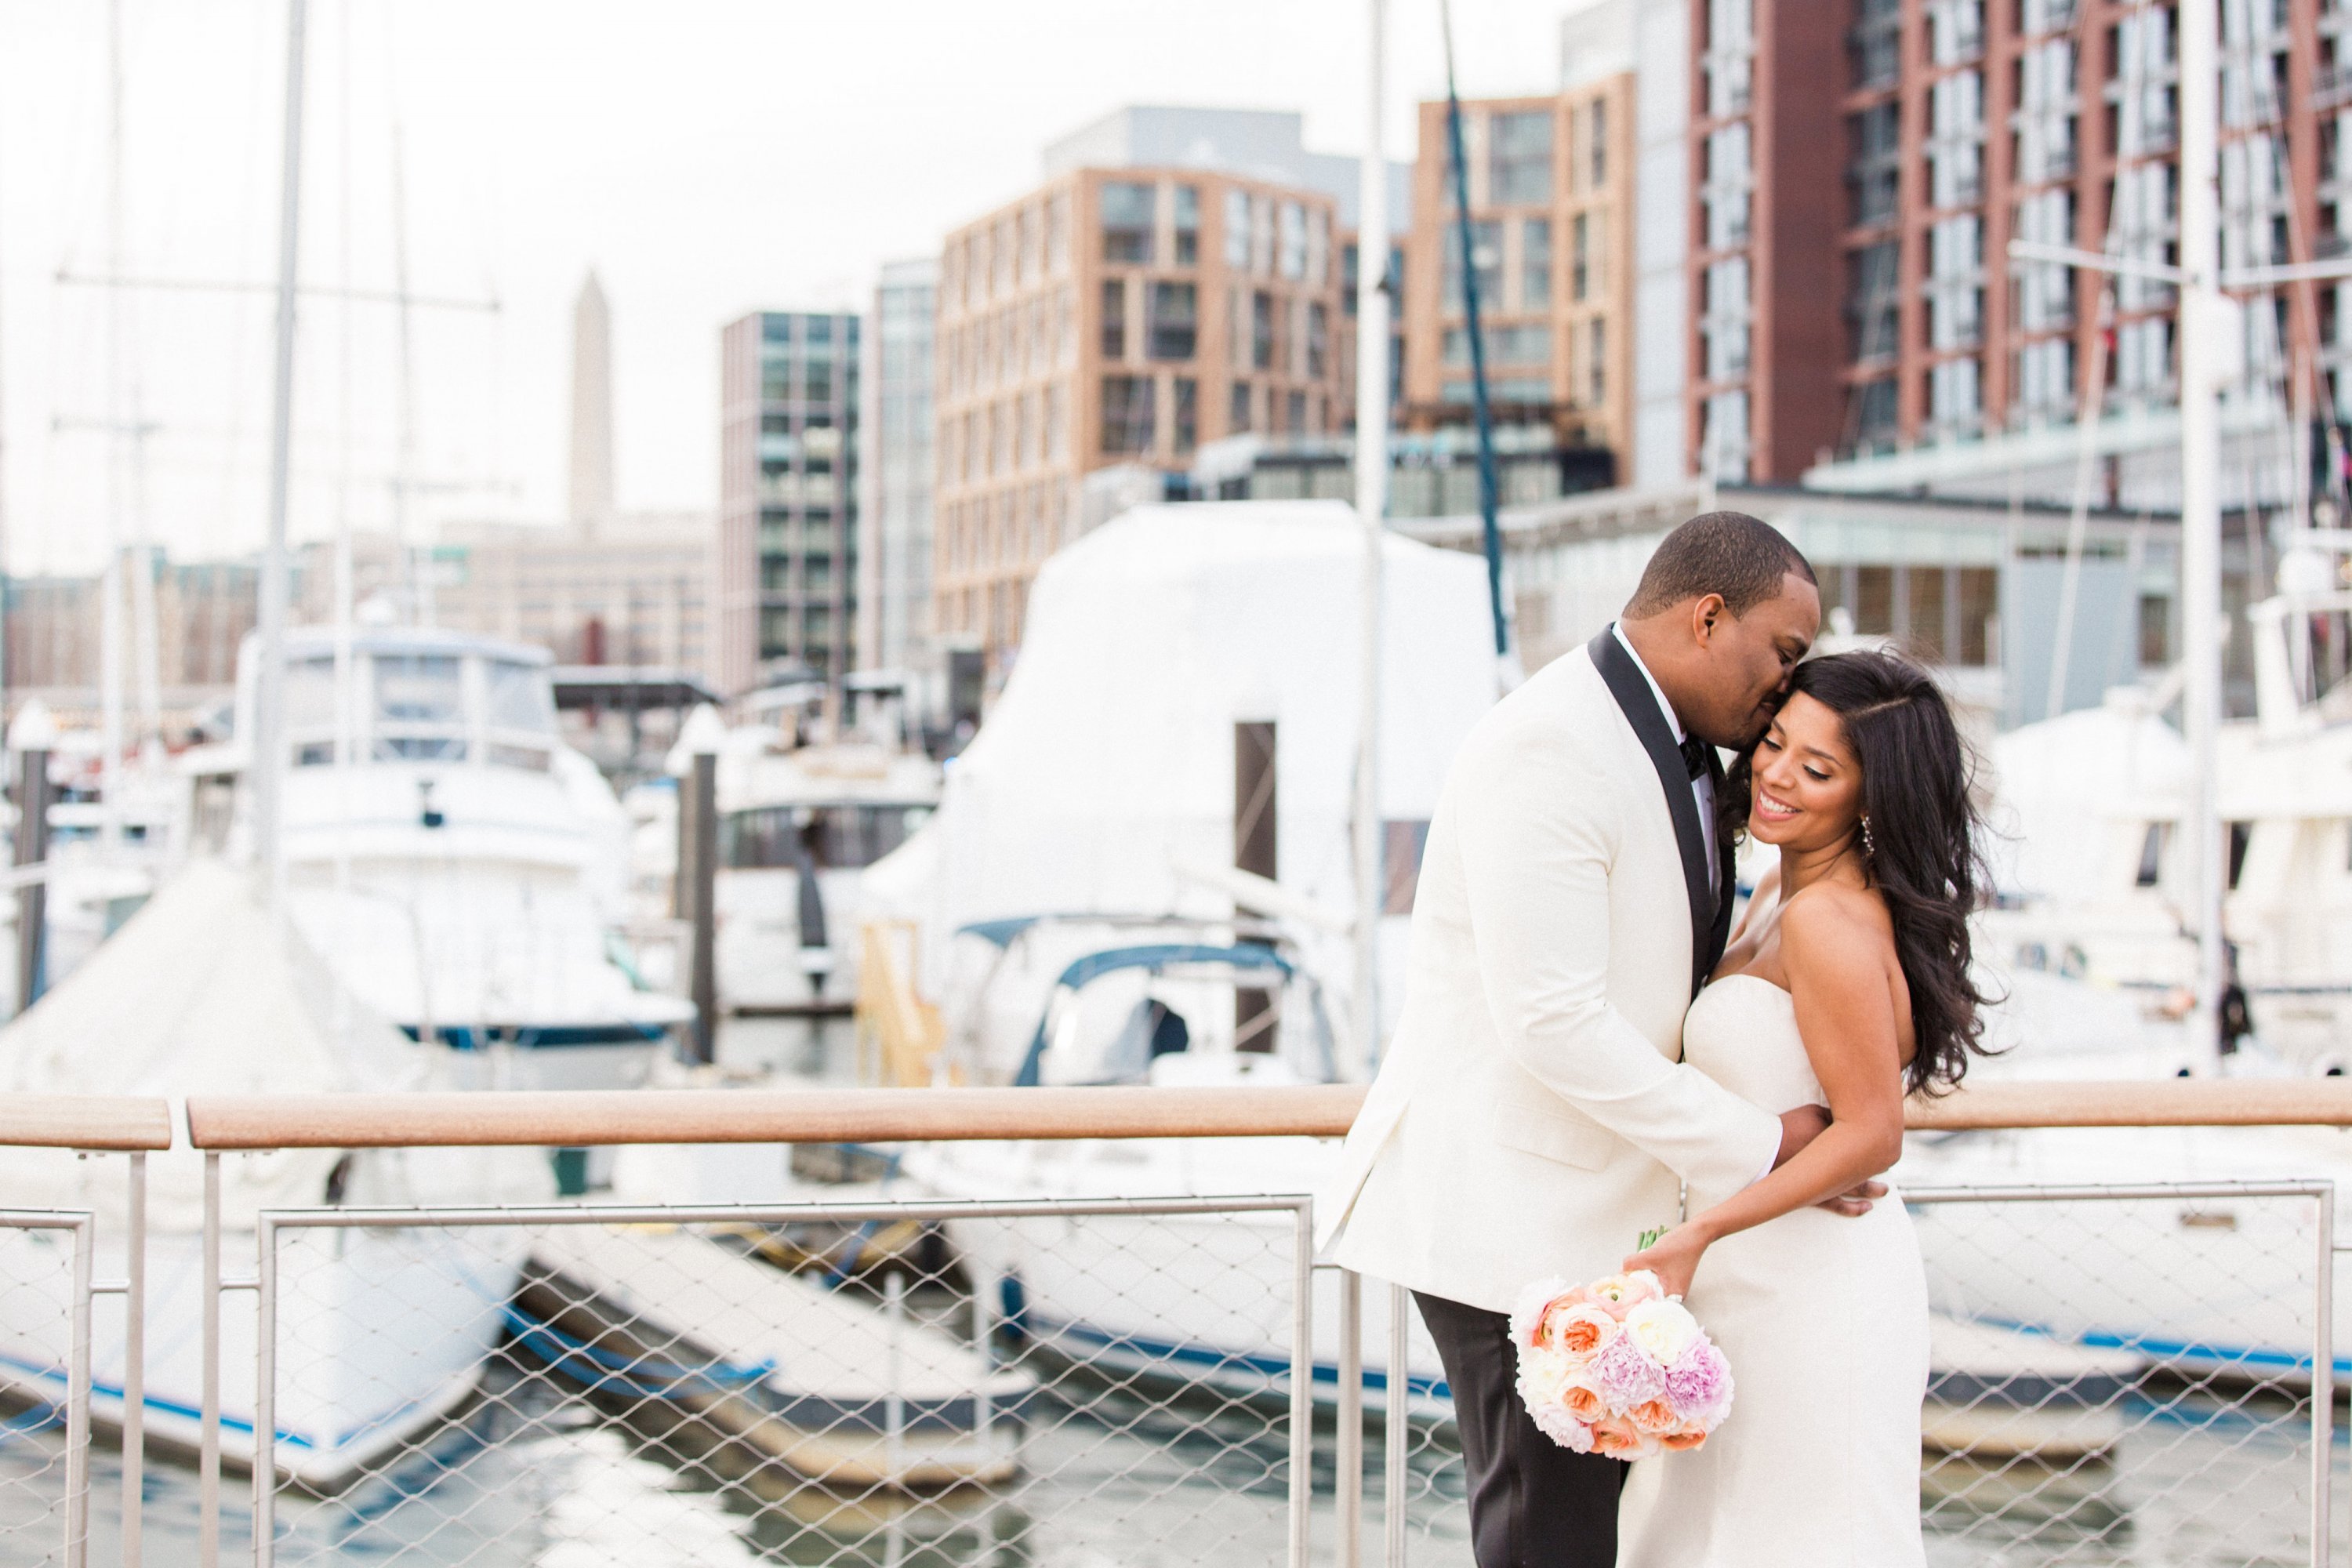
(1044, 1388)
(42, 1273)
(2123, 1377)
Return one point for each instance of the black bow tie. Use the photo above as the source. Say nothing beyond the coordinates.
(1695, 752)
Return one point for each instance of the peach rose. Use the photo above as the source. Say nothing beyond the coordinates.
(1681, 1442)
(1621, 1293)
(1654, 1417)
(1578, 1331)
(1617, 1439)
(1584, 1402)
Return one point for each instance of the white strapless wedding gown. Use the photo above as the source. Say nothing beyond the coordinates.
(1824, 1321)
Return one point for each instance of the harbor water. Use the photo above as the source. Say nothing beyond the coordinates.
(529, 1477)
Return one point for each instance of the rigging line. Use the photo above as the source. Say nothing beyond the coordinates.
(1490, 530)
(397, 297)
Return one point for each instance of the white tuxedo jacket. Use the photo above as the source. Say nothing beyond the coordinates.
(1532, 1115)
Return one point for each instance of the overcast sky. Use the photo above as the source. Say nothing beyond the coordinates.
(706, 157)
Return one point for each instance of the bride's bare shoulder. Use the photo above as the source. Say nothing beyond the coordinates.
(1834, 922)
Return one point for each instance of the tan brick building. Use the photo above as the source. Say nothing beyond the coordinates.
(1116, 317)
(1551, 209)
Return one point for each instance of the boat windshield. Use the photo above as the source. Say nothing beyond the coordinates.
(420, 707)
(837, 837)
(436, 705)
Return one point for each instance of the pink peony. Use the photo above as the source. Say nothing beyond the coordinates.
(1624, 1375)
(1556, 1424)
(1698, 1386)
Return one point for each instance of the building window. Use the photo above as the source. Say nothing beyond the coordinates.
(1053, 434)
(1318, 339)
(1127, 220)
(1128, 414)
(1875, 147)
(1262, 330)
(1057, 232)
(1113, 318)
(1173, 320)
(1237, 229)
(1237, 414)
(1291, 255)
(1535, 264)
(1518, 344)
(1486, 245)
(1596, 143)
(1580, 247)
(1518, 158)
(1295, 412)
(1187, 410)
(1875, 300)
(1596, 361)
(1188, 226)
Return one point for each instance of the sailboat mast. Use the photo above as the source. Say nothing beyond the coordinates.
(118, 425)
(268, 760)
(2203, 316)
(1371, 506)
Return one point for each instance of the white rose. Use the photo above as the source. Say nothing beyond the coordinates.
(1663, 1330)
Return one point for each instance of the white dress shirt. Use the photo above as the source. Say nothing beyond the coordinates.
(1703, 787)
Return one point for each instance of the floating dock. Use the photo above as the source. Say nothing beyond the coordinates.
(694, 1338)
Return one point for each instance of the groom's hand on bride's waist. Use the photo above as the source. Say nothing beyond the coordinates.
(1801, 1127)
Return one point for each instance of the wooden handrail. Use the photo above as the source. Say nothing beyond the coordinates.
(112, 1122)
(580, 1119)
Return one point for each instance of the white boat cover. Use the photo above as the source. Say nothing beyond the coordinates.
(201, 992)
(2054, 779)
(1109, 758)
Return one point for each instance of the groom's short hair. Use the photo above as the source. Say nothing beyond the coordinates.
(1743, 558)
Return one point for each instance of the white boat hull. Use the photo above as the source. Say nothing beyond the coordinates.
(380, 1334)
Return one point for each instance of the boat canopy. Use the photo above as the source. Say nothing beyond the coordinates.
(1155, 957)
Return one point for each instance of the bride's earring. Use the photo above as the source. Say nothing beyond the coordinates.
(1868, 848)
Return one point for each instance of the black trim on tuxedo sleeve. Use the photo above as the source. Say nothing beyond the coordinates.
(1709, 916)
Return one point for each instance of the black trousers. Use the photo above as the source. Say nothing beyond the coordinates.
(1533, 1504)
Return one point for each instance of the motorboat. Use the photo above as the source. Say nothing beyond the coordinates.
(463, 870)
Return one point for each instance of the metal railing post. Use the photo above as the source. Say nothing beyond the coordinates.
(1302, 1383)
(208, 1446)
(1348, 1499)
(264, 1396)
(1398, 1429)
(893, 1398)
(77, 1369)
(135, 1369)
(2323, 1388)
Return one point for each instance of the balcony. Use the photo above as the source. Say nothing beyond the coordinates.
(2331, 88)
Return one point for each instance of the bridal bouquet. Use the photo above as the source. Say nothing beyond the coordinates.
(1617, 1367)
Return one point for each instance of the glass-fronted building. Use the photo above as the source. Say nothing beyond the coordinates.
(788, 497)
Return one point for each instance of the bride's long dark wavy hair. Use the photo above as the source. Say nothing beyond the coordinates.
(1925, 850)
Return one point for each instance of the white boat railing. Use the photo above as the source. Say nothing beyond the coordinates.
(934, 1380)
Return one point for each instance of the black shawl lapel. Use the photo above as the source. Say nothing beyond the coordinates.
(1726, 883)
(1631, 688)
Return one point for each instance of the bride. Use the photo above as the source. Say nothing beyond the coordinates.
(1847, 983)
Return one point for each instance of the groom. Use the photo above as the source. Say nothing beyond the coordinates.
(1532, 1116)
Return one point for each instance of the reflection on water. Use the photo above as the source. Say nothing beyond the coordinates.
(527, 1477)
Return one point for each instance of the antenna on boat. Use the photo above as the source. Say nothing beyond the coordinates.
(1372, 508)
(267, 762)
